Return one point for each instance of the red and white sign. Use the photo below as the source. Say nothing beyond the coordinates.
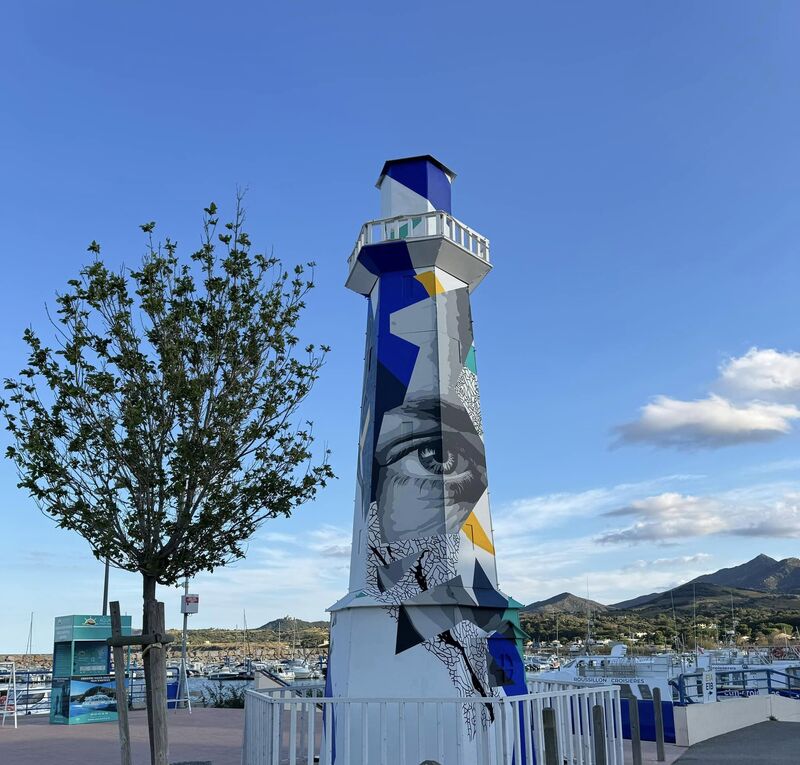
(189, 604)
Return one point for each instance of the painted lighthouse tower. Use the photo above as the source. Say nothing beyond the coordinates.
(424, 617)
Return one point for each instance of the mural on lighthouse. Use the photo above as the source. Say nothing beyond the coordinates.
(424, 616)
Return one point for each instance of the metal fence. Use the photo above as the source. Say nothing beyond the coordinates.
(734, 683)
(555, 726)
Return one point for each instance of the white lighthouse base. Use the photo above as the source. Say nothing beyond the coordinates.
(403, 707)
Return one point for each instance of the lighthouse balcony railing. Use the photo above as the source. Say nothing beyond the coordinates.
(422, 226)
(281, 729)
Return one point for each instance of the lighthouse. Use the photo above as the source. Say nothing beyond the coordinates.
(423, 617)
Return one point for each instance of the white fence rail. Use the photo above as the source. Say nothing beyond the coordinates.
(285, 729)
(422, 226)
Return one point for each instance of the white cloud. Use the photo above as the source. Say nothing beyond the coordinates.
(680, 560)
(548, 544)
(762, 372)
(301, 577)
(330, 542)
(666, 517)
(707, 423)
(791, 465)
(586, 575)
(533, 514)
(763, 511)
(781, 520)
(756, 400)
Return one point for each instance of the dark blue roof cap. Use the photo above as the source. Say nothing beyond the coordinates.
(414, 160)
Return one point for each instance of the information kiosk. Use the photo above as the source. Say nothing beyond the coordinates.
(83, 687)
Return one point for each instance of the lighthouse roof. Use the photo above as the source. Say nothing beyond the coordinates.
(418, 160)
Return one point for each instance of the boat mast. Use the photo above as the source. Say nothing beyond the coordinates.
(29, 646)
(558, 644)
(588, 620)
(246, 646)
(733, 624)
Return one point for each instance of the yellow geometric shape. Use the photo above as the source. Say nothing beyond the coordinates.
(430, 282)
(477, 534)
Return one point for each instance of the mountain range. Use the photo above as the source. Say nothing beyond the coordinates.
(566, 603)
(762, 573)
(289, 624)
(762, 582)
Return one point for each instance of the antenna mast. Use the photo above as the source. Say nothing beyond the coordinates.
(29, 646)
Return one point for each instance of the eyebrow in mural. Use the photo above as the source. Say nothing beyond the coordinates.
(431, 469)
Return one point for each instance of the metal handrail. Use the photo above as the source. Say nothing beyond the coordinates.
(427, 225)
(737, 682)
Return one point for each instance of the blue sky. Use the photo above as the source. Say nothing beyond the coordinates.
(635, 166)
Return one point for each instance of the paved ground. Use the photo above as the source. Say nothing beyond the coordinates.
(216, 735)
(671, 753)
(206, 734)
(768, 743)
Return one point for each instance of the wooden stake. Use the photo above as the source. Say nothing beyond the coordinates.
(122, 696)
(599, 734)
(550, 736)
(658, 711)
(636, 734)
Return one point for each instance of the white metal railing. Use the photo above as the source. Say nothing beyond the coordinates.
(283, 729)
(295, 690)
(548, 686)
(422, 226)
(8, 701)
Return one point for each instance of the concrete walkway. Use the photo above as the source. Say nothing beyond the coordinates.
(206, 734)
(671, 753)
(768, 743)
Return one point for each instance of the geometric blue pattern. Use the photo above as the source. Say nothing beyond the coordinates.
(425, 178)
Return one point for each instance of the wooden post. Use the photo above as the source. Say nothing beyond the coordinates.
(155, 676)
(156, 666)
(122, 696)
(636, 733)
(550, 736)
(599, 734)
(659, 717)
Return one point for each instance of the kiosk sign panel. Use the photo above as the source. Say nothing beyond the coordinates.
(83, 627)
(90, 659)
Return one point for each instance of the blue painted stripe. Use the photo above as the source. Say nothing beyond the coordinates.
(424, 178)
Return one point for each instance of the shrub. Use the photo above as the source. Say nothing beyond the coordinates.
(223, 696)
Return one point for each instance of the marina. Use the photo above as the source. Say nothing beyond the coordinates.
(33, 688)
(737, 671)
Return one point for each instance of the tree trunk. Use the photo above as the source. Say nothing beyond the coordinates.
(155, 674)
